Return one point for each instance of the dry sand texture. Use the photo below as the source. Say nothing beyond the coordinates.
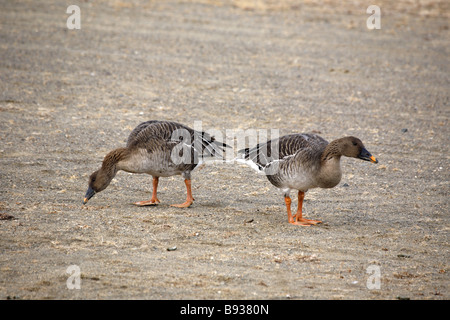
(67, 97)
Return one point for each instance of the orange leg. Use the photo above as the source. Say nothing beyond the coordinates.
(299, 220)
(288, 201)
(189, 199)
(154, 200)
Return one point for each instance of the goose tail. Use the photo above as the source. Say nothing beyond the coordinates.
(210, 147)
(244, 157)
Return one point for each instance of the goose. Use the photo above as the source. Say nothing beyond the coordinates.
(160, 149)
(301, 162)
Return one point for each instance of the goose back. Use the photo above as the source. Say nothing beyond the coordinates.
(166, 148)
(297, 163)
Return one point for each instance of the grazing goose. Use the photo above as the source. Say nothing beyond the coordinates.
(304, 161)
(161, 149)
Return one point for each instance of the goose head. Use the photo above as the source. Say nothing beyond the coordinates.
(101, 178)
(98, 181)
(354, 148)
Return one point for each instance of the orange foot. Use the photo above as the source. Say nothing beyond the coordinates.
(184, 204)
(304, 222)
(151, 202)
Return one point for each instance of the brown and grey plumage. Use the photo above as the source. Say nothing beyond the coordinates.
(301, 162)
(161, 149)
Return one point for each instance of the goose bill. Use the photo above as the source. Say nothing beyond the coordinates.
(365, 155)
(89, 194)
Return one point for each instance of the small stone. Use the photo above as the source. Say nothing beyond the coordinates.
(5, 216)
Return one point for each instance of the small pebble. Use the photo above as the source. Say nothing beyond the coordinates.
(172, 249)
(404, 130)
(5, 216)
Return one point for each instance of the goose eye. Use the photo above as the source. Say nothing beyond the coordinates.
(354, 143)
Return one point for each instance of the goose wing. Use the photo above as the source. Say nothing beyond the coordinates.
(154, 133)
(281, 149)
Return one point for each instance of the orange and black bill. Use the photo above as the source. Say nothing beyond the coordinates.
(365, 155)
(89, 194)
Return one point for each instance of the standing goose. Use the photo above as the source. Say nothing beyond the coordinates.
(304, 161)
(161, 149)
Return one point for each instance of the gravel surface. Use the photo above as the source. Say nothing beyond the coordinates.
(67, 97)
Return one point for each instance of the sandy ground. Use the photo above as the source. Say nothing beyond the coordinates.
(67, 97)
